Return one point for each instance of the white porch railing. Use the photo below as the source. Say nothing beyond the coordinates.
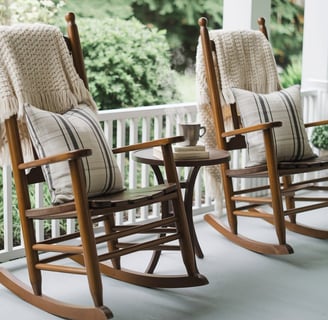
(121, 127)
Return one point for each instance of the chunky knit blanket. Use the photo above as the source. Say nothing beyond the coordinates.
(245, 61)
(36, 68)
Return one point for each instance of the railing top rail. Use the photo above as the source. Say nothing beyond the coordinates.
(124, 113)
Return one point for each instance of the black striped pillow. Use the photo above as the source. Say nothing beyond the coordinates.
(291, 140)
(53, 133)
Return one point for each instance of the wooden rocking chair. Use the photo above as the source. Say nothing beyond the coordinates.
(95, 253)
(291, 184)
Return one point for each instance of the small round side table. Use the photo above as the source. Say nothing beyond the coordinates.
(215, 157)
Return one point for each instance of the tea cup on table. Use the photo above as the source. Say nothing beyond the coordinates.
(191, 132)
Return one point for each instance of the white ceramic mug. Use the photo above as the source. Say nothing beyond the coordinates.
(191, 132)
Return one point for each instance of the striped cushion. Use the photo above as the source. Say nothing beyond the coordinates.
(53, 133)
(291, 139)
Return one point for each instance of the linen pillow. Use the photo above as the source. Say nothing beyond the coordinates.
(291, 140)
(53, 133)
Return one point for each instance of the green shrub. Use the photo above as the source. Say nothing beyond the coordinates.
(127, 63)
(18, 11)
(16, 230)
(319, 137)
(293, 72)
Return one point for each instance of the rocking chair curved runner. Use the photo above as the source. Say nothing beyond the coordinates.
(95, 253)
(249, 114)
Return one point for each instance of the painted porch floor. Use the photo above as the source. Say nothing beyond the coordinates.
(243, 285)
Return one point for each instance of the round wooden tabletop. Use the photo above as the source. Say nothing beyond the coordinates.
(215, 157)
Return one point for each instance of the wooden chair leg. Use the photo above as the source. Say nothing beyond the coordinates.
(230, 205)
(32, 257)
(86, 233)
(289, 200)
(109, 222)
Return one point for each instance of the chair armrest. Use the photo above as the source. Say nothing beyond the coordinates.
(166, 144)
(258, 127)
(149, 144)
(71, 155)
(315, 124)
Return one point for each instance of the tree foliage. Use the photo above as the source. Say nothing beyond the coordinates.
(99, 9)
(287, 22)
(14, 11)
(178, 17)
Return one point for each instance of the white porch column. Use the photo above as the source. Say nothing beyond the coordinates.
(315, 53)
(243, 14)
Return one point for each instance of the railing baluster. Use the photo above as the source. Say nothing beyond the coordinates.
(38, 197)
(120, 138)
(145, 170)
(132, 171)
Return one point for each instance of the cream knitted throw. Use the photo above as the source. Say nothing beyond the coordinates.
(245, 61)
(36, 68)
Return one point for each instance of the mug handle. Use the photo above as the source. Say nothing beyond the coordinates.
(202, 131)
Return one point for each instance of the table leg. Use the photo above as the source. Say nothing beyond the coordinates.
(165, 211)
(188, 201)
(188, 185)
